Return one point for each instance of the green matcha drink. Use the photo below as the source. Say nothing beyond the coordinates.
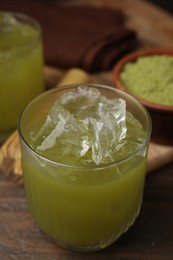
(21, 67)
(84, 163)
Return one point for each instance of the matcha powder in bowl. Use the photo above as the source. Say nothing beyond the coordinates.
(150, 78)
(147, 74)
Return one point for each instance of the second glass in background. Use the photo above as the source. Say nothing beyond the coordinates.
(21, 67)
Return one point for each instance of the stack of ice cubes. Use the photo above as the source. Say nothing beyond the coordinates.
(85, 123)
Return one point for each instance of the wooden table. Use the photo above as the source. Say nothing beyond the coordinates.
(151, 237)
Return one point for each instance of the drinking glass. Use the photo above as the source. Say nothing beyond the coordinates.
(21, 67)
(85, 208)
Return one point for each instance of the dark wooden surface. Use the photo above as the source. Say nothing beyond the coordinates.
(151, 237)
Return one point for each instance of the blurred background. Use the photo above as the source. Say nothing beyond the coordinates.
(166, 4)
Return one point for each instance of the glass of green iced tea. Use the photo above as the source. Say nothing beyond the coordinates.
(21, 67)
(84, 152)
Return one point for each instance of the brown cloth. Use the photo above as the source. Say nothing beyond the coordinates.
(74, 36)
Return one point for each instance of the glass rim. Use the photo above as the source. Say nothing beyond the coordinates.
(94, 167)
(31, 21)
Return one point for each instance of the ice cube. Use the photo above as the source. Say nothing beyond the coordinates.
(135, 135)
(105, 126)
(135, 130)
(98, 130)
(79, 98)
(61, 131)
(7, 22)
(50, 140)
(58, 121)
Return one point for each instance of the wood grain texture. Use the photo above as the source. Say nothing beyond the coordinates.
(151, 237)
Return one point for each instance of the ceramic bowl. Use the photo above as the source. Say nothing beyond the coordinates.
(161, 115)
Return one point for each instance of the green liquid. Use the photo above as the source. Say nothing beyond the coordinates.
(82, 208)
(21, 72)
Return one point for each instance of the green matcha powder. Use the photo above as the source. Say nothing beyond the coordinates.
(150, 78)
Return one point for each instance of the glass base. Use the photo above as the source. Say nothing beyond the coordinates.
(101, 246)
(85, 249)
